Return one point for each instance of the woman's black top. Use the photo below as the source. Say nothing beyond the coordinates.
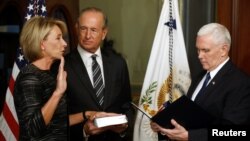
(33, 88)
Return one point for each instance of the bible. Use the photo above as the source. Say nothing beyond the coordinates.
(111, 120)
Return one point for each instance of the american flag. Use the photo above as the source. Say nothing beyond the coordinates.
(9, 129)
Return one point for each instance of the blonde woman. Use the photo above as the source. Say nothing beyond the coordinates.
(39, 95)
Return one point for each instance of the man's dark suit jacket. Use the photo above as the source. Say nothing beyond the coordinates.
(81, 95)
(227, 97)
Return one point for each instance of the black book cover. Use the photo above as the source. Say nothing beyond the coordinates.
(185, 112)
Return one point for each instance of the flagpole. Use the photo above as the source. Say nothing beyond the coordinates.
(167, 76)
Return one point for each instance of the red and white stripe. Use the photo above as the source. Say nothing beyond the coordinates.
(9, 130)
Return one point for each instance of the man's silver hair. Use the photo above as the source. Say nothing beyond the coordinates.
(219, 33)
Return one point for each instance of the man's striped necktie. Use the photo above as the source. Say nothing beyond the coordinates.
(97, 80)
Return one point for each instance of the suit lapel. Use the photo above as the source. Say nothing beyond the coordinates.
(79, 68)
(214, 83)
(107, 67)
(195, 84)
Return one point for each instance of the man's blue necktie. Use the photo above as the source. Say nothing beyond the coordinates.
(203, 86)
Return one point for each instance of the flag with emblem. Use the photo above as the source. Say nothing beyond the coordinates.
(9, 129)
(168, 75)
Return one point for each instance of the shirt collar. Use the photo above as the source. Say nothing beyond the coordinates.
(216, 70)
(86, 54)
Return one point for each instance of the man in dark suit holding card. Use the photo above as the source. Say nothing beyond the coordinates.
(98, 82)
(222, 89)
